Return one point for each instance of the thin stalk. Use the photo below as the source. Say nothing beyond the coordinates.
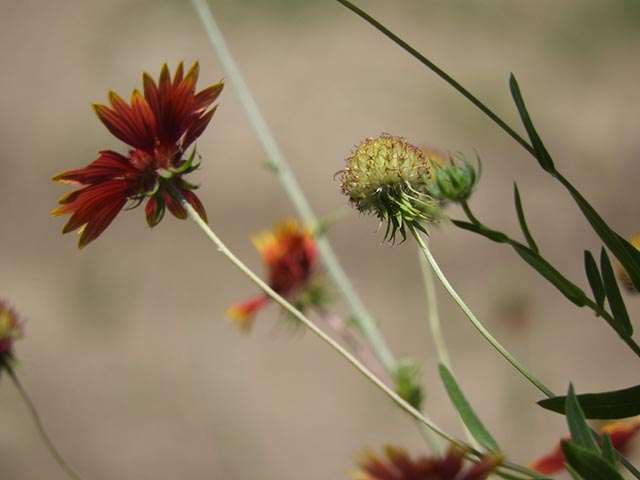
(222, 248)
(365, 321)
(438, 71)
(33, 412)
(470, 315)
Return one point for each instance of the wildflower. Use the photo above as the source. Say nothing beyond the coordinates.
(10, 330)
(390, 178)
(290, 254)
(159, 126)
(622, 273)
(399, 466)
(621, 433)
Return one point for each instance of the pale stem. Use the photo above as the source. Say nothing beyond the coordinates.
(279, 165)
(33, 412)
(476, 323)
(222, 248)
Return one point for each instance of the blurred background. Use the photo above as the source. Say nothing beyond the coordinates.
(127, 354)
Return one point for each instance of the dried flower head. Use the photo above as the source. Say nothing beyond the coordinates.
(290, 254)
(389, 177)
(159, 126)
(10, 330)
(400, 466)
(622, 273)
(621, 433)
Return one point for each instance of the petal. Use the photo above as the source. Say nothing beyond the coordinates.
(126, 124)
(243, 313)
(195, 202)
(177, 78)
(206, 97)
(550, 463)
(197, 128)
(107, 166)
(154, 210)
(174, 206)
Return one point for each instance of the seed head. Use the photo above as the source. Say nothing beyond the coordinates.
(390, 178)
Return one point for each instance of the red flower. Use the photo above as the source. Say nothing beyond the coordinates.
(400, 466)
(290, 253)
(159, 126)
(621, 433)
(10, 329)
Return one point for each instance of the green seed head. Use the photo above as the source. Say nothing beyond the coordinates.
(390, 178)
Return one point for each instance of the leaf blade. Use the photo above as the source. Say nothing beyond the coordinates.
(611, 405)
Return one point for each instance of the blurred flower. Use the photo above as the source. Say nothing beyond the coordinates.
(399, 466)
(10, 329)
(621, 433)
(622, 273)
(290, 254)
(159, 126)
(406, 379)
(389, 177)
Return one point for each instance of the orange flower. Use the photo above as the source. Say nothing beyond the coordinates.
(290, 254)
(159, 126)
(621, 433)
(399, 466)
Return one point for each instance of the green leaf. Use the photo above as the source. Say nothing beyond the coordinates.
(589, 464)
(608, 451)
(580, 431)
(468, 416)
(626, 253)
(544, 268)
(621, 322)
(541, 153)
(523, 222)
(610, 405)
(485, 232)
(593, 275)
(573, 473)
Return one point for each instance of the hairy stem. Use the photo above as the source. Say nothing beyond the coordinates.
(476, 323)
(364, 320)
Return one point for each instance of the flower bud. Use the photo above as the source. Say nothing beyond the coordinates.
(390, 178)
(454, 178)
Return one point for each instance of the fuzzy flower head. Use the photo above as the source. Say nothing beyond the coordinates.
(290, 254)
(10, 330)
(400, 466)
(388, 177)
(159, 125)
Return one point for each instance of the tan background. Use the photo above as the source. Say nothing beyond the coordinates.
(127, 353)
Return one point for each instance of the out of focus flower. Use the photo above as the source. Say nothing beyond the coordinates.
(10, 330)
(400, 466)
(290, 254)
(388, 177)
(622, 273)
(159, 126)
(621, 433)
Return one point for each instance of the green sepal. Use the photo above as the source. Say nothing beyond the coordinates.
(468, 416)
(611, 405)
(620, 322)
(541, 153)
(523, 222)
(187, 166)
(580, 431)
(595, 281)
(588, 464)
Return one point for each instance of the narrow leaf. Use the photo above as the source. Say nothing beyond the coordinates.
(544, 159)
(580, 431)
(611, 405)
(485, 232)
(544, 268)
(523, 222)
(588, 464)
(573, 473)
(468, 416)
(593, 275)
(626, 253)
(608, 452)
(621, 322)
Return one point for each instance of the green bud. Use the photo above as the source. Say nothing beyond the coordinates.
(406, 379)
(454, 179)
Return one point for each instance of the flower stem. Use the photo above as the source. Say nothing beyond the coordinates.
(364, 320)
(39, 426)
(470, 315)
(222, 248)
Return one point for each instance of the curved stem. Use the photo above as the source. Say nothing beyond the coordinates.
(278, 164)
(476, 323)
(39, 426)
(222, 248)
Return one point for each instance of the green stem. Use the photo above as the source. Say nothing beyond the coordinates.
(364, 320)
(438, 71)
(222, 248)
(39, 426)
(470, 315)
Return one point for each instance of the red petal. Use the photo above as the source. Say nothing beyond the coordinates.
(195, 202)
(243, 313)
(174, 207)
(206, 97)
(177, 78)
(154, 210)
(123, 123)
(197, 128)
(550, 463)
(107, 166)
